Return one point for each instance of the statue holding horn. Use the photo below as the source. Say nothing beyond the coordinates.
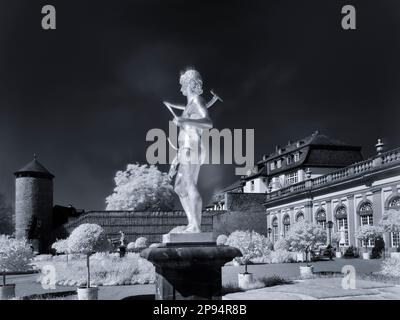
(190, 150)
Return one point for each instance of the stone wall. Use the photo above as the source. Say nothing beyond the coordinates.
(245, 201)
(33, 198)
(244, 211)
(225, 222)
(151, 225)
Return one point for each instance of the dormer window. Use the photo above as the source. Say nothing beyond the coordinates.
(279, 163)
(296, 156)
(272, 165)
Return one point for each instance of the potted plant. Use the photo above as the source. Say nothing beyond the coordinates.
(87, 239)
(304, 237)
(390, 222)
(251, 245)
(366, 233)
(15, 255)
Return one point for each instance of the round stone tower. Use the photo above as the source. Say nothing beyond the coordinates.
(34, 205)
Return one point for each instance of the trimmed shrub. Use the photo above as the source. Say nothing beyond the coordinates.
(391, 267)
(221, 239)
(251, 245)
(141, 243)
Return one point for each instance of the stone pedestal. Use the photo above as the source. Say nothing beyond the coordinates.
(188, 266)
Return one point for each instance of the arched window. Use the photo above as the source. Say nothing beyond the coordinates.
(341, 221)
(286, 225)
(366, 214)
(320, 217)
(275, 232)
(299, 216)
(394, 203)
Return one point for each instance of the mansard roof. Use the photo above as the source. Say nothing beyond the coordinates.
(316, 150)
(316, 140)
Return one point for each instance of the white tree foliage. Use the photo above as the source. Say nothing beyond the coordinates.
(15, 255)
(391, 221)
(141, 242)
(304, 236)
(88, 238)
(141, 188)
(61, 246)
(251, 245)
(368, 232)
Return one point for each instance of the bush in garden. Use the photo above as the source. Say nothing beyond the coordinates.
(130, 246)
(107, 269)
(282, 256)
(88, 239)
(391, 267)
(251, 245)
(221, 239)
(305, 236)
(15, 255)
(350, 252)
(281, 244)
(141, 243)
(61, 246)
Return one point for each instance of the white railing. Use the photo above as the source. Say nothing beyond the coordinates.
(388, 158)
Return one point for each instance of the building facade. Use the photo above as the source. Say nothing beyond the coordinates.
(323, 180)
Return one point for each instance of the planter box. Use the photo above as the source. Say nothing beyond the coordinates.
(338, 254)
(7, 292)
(306, 272)
(366, 255)
(395, 255)
(88, 293)
(245, 280)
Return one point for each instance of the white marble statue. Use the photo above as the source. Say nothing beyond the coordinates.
(190, 151)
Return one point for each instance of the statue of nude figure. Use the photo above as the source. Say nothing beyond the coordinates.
(190, 153)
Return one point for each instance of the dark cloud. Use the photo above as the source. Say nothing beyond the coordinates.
(84, 96)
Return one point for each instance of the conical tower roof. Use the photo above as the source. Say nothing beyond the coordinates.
(35, 169)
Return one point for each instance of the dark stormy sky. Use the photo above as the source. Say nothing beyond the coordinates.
(84, 96)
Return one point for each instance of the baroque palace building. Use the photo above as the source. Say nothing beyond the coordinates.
(321, 179)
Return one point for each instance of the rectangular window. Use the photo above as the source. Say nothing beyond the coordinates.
(276, 234)
(272, 165)
(291, 178)
(367, 221)
(296, 156)
(279, 163)
(252, 185)
(286, 228)
(342, 223)
(288, 160)
(395, 239)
